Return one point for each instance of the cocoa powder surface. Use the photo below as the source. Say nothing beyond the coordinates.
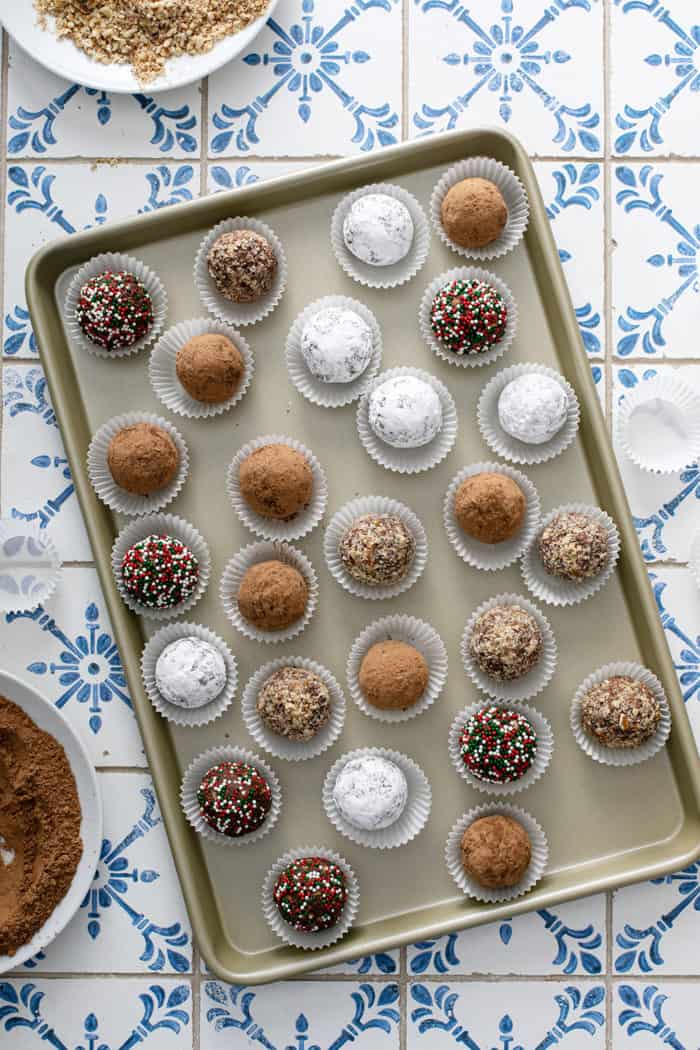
(39, 823)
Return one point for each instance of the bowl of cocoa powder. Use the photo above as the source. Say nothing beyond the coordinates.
(135, 45)
(50, 822)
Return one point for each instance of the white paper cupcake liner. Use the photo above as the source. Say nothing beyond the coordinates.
(331, 395)
(538, 859)
(30, 565)
(115, 261)
(193, 778)
(279, 746)
(409, 460)
(610, 756)
(117, 498)
(287, 933)
(468, 273)
(270, 529)
(513, 193)
(409, 824)
(341, 522)
(382, 276)
(534, 681)
(654, 449)
(212, 299)
(551, 589)
(543, 754)
(162, 368)
(423, 637)
(162, 525)
(267, 550)
(187, 716)
(491, 556)
(509, 447)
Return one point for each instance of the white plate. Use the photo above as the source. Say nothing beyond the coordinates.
(65, 59)
(48, 718)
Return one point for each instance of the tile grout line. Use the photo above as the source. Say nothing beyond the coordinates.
(320, 158)
(4, 41)
(607, 220)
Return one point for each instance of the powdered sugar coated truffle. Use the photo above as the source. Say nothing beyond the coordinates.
(378, 229)
(370, 792)
(533, 408)
(190, 672)
(336, 345)
(405, 412)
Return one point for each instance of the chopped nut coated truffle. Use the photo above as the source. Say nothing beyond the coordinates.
(506, 642)
(620, 712)
(377, 549)
(574, 546)
(242, 265)
(294, 703)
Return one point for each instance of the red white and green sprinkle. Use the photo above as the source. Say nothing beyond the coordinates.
(159, 572)
(310, 894)
(234, 798)
(114, 310)
(498, 745)
(468, 317)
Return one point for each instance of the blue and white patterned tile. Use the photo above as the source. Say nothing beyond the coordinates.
(321, 78)
(506, 1016)
(656, 926)
(678, 601)
(573, 197)
(655, 64)
(530, 66)
(68, 653)
(45, 202)
(36, 479)
(566, 940)
(96, 1014)
(656, 239)
(133, 918)
(665, 509)
(235, 174)
(48, 116)
(300, 1015)
(649, 1016)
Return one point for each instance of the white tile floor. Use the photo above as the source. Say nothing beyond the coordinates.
(604, 93)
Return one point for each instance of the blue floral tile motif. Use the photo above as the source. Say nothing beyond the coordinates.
(671, 71)
(88, 669)
(576, 1010)
(687, 662)
(509, 59)
(35, 131)
(229, 1009)
(307, 59)
(641, 949)
(164, 1010)
(577, 193)
(644, 1013)
(642, 328)
(224, 179)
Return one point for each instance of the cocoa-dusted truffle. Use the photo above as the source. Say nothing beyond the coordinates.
(276, 481)
(143, 458)
(620, 712)
(393, 675)
(574, 546)
(234, 798)
(496, 851)
(377, 549)
(114, 310)
(294, 703)
(506, 642)
(473, 213)
(242, 265)
(310, 894)
(272, 595)
(210, 368)
(490, 507)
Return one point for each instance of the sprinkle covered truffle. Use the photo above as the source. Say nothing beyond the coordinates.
(234, 798)
(114, 310)
(310, 894)
(574, 546)
(498, 744)
(468, 317)
(159, 572)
